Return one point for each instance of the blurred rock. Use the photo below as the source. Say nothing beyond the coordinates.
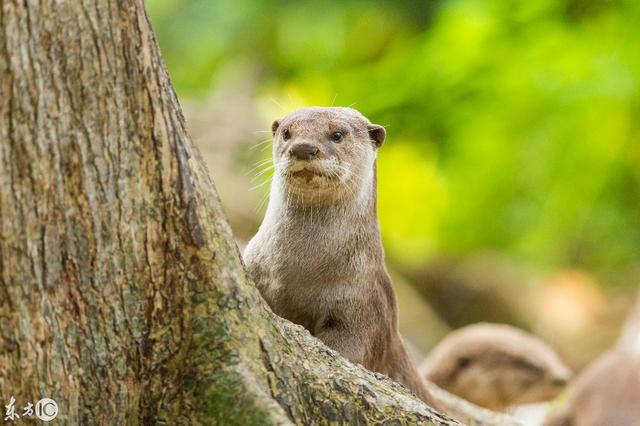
(570, 309)
(567, 308)
(486, 287)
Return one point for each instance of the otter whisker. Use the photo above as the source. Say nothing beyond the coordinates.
(300, 200)
(345, 184)
(333, 174)
(351, 190)
(261, 143)
(265, 197)
(277, 103)
(289, 199)
(263, 161)
(260, 185)
(263, 171)
(258, 165)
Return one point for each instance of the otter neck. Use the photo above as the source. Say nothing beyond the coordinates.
(356, 213)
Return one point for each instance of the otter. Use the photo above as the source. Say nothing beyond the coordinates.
(607, 391)
(496, 366)
(317, 258)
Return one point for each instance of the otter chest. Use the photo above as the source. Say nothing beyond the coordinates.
(306, 283)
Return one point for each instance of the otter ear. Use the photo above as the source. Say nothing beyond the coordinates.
(274, 127)
(377, 134)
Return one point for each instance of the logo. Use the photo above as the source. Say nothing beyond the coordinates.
(46, 409)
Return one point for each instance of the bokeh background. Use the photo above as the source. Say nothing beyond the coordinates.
(509, 185)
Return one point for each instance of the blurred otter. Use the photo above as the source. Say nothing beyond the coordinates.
(496, 366)
(607, 392)
(317, 258)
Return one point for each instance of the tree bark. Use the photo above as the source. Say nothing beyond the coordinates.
(122, 293)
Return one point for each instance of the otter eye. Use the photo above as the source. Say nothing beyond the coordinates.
(286, 134)
(463, 362)
(336, 136)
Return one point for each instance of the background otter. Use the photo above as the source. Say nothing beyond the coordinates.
(317, 257)
(607, 391)
(496, 366)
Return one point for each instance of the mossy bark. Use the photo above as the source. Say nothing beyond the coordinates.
(122, 292)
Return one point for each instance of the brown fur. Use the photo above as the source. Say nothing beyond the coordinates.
(496, 366)
(607, 392)
(317, 257)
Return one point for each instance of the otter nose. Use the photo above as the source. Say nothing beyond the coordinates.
(303, 151)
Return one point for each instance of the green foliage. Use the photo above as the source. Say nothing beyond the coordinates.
(512, 125)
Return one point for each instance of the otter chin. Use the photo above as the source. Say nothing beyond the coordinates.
(317, 258)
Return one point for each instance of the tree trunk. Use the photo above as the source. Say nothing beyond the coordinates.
(122, 293)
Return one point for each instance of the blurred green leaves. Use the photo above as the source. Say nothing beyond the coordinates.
(511, 125)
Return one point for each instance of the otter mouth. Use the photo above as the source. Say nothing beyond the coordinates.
(306, 174)
(309, 174)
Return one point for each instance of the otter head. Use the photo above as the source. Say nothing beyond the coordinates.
(496, 366)
(324, 155)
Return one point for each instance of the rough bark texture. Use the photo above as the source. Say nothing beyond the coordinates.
(122, 294)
